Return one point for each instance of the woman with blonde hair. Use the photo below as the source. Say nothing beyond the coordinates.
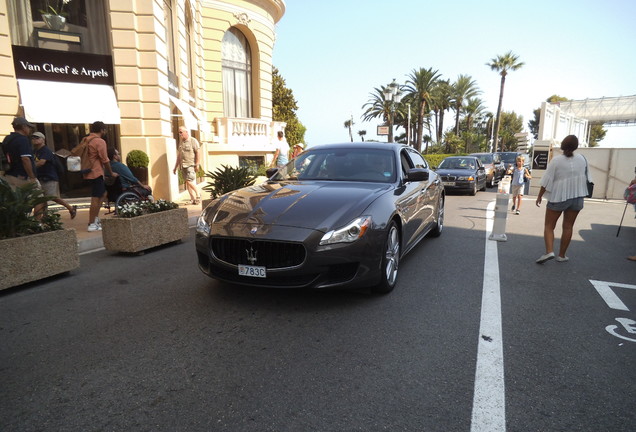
(565, 183)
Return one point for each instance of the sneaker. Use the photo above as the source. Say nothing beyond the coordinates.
(94, 227)
(513, 207)
(546, 257)
(562, 259)
(98, 222)
(517, 212)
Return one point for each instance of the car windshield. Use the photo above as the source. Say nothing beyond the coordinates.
(485, 159)
(341, 164)
(458, 163)
(508, 158)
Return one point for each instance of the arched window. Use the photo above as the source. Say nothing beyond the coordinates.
(237, 75)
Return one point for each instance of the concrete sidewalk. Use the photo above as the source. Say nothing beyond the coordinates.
(91, 241)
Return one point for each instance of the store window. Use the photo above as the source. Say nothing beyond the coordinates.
(173, 81)
(65, 25)
(237, 74)
(189, 51)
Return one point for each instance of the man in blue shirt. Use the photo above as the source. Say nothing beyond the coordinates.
(126, 176)
(18, 150)
(45, 164)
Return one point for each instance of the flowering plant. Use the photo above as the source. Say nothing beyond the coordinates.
(145, 207)
(56, 7)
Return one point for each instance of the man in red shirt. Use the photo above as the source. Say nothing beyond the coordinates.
(99, 162)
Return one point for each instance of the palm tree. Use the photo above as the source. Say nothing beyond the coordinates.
(474, 108)
(442, 98)
(379, 107)
(362, 133)
(503, 64)
(419, 86)
(464, 88)
(348, 124)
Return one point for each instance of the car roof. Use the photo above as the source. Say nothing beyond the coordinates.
(365, 145)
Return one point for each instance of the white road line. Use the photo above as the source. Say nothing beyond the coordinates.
(489, 399)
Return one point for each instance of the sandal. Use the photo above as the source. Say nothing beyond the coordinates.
(73, 212)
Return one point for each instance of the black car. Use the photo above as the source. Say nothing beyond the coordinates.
(495, 169)
(462, 174)
(339, 215)
(509, 159)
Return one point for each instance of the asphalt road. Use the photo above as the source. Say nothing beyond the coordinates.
(148, 343)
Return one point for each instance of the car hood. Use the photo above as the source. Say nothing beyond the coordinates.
(313, 205)
(456, 172)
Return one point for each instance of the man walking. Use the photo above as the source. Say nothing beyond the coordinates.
(47, 172)
(188, 160)
(99, 162)
(19, 152)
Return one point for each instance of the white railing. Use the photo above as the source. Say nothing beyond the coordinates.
(246, 133)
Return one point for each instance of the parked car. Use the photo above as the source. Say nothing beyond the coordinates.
(509, 159)
(462, 174)
(337, 216)
(495, 169)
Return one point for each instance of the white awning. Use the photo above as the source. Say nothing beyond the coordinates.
(204, 126)
(64, 102)
(189, 121)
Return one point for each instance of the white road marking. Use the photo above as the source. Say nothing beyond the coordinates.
(489, 399)
(607, 293)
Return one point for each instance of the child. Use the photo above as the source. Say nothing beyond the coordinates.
(519, 175)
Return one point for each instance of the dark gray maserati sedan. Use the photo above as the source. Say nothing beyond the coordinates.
(337, 216)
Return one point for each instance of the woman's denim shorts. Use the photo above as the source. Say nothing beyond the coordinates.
(575, 204)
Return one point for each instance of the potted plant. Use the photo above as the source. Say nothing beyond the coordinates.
(144, 225)
(32, 249)
(138, 161)
(227, 179)
(53, 15)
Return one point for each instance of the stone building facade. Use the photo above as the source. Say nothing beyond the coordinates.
(144, 67)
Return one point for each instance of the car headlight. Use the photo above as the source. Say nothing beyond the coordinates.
(349, 233)
(469, 178)
(202, 226)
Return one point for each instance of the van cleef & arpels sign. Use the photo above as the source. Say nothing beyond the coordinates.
(51, 65)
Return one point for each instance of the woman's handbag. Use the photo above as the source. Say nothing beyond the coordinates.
(590, 185)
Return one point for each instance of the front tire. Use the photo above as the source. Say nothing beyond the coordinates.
(390, 262)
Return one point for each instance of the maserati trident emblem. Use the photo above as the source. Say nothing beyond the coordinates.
(251, 255)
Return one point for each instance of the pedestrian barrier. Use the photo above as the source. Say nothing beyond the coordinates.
(501, 211)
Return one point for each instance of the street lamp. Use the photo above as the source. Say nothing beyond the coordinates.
(393, 95)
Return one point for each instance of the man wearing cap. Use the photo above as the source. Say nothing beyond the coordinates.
(19, 152)
(47, 172)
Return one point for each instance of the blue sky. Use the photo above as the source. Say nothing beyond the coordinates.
(332, 53)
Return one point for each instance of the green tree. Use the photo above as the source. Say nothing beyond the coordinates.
(379, 107)
(502, 64)
(362, 133)
(464, 88)
(511, 123)
(419, 87)
(442, 102)
(284, 107)
(597, 133)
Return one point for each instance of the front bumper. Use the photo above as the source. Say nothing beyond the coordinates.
(346, 265)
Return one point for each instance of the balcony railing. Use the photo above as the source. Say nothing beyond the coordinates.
(246, 133)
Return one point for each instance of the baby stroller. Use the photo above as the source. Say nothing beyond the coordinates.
(120, 196)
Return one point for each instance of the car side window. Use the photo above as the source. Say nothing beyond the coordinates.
(417, 160)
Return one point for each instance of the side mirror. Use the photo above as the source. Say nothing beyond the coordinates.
(270, 172)
(417, 174)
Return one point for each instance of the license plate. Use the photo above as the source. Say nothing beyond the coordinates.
(449, 183)
(252, 271)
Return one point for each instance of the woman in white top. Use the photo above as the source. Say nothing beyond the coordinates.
(565, 186)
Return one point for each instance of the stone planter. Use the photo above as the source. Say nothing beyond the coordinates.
(38, 256)
(134, 235)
